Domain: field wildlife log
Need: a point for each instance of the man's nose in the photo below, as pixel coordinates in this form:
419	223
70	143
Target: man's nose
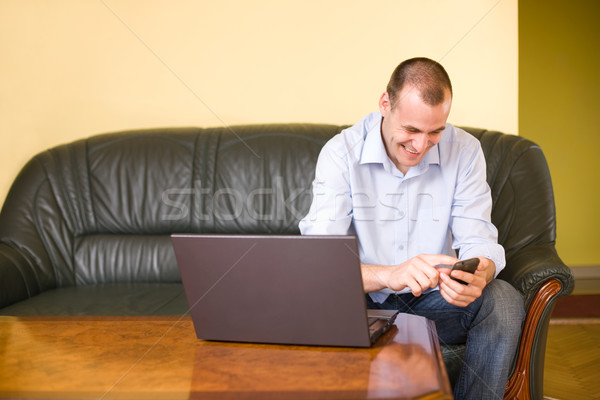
420	142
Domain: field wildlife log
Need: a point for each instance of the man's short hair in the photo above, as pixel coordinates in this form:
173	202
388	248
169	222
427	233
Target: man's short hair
426	75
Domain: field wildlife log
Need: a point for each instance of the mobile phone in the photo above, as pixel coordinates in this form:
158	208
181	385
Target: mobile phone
469	266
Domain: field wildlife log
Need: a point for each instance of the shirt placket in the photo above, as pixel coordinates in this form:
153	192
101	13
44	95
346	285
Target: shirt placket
401	225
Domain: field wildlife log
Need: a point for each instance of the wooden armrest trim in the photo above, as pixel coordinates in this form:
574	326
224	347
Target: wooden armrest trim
517	386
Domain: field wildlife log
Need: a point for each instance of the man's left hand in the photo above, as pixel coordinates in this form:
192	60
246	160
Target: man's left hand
463	295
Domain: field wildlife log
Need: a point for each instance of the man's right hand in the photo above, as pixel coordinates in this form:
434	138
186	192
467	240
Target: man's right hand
418	274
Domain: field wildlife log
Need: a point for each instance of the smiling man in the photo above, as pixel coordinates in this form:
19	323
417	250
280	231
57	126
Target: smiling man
413	189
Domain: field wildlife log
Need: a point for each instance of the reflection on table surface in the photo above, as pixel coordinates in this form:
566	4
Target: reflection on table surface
160	357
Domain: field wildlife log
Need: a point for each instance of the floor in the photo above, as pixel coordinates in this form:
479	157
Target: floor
572	367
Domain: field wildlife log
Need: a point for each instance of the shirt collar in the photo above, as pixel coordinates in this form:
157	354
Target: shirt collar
432	156
373	150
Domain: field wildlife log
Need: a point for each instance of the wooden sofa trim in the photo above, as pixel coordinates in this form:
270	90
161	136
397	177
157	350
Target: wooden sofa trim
518	383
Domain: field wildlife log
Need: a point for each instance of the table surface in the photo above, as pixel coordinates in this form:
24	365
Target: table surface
160	357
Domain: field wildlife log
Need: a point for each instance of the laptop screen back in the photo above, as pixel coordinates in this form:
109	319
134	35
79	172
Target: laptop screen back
304	290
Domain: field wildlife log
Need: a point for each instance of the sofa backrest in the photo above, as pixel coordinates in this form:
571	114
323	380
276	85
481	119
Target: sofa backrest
102	209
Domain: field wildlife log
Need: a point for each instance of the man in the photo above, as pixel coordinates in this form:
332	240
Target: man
413	189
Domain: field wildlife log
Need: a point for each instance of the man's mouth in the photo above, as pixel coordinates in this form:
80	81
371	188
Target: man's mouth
409	150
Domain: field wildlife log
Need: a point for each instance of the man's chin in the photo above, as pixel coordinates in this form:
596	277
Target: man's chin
411	161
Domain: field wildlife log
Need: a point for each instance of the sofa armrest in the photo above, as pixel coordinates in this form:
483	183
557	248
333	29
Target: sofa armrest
531	267
17	281
541	277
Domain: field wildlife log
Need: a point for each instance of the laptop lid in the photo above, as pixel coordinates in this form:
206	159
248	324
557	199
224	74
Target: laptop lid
304	290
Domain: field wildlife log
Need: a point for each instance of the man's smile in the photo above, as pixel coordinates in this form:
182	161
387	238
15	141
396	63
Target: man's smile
409	150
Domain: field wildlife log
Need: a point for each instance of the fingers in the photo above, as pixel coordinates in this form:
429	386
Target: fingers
484	264
427	275
452	293
459	294
428	270
438	259
418	273
421	280
466	277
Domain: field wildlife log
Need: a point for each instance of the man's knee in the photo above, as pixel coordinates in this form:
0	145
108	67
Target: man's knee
505	302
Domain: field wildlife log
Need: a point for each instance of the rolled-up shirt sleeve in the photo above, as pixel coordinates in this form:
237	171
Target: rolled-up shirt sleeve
473	233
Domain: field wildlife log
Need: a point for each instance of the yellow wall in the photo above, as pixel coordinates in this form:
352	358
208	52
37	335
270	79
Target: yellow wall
70	69
559	95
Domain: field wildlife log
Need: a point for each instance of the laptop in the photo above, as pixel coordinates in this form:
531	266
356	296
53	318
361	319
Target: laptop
290	289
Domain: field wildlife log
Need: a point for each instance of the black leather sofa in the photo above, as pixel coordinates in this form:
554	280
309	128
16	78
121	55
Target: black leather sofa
85	227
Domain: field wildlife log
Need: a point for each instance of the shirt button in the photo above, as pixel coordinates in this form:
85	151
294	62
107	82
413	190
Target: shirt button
401	214
401	247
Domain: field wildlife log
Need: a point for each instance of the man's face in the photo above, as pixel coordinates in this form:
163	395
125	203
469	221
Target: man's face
411	128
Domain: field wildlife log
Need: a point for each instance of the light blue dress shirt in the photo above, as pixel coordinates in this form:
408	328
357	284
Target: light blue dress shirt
441	205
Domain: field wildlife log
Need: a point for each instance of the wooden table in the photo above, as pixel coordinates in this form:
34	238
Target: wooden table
160	357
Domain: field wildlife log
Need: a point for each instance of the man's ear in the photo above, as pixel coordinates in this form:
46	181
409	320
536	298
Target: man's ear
384	103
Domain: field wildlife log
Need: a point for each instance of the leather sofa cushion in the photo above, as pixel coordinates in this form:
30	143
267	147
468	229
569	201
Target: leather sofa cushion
123	299
124	259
